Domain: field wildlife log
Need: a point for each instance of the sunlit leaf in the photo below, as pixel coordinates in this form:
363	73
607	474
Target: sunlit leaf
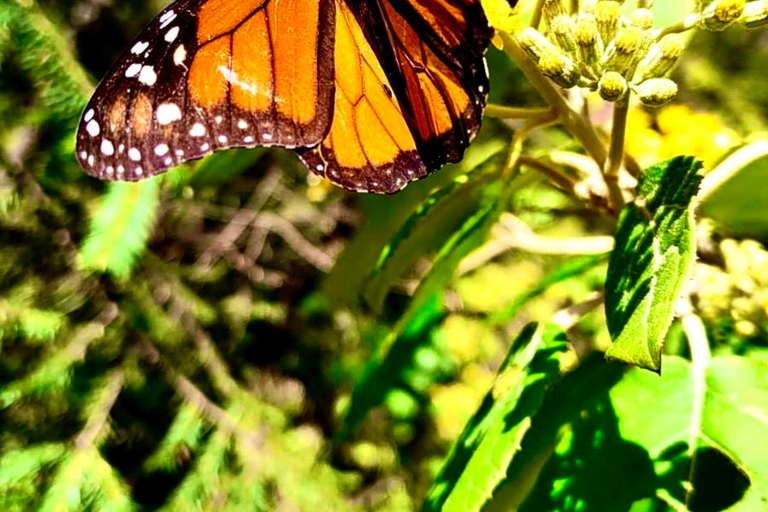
120	228
479	460
685	422
654	254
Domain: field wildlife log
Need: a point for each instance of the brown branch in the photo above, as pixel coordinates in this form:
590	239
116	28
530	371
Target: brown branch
98	420
192	394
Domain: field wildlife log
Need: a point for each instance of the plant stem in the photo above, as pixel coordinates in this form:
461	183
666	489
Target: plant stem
504	112
701	357
688	23
569	118
616	153
89	436
555	175
536	17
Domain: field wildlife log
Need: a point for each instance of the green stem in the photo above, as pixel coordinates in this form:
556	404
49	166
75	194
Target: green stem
568	117
504	112
616	153
555	175
536	17
687	24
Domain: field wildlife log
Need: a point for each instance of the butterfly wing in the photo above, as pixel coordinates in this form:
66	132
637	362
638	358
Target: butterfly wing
369	147
428	66
212	74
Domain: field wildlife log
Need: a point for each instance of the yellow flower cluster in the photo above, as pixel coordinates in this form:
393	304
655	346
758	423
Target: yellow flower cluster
678	130
739	291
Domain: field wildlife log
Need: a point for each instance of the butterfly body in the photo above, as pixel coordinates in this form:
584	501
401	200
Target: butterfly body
372	94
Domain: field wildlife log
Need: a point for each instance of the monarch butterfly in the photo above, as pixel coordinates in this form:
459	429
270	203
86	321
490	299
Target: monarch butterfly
372	94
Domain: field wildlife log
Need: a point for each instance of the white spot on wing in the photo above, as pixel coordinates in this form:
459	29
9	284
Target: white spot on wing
148	76
133	70
90	160
139	47
168	113
167	18
222	139
107	148
242	124
134	154
161	149
93	128
89	115
179	55
172	34
197	130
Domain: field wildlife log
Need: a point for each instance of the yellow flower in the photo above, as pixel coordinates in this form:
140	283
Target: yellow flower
681	131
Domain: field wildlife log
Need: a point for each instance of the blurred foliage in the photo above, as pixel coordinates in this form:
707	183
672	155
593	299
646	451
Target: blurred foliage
238	335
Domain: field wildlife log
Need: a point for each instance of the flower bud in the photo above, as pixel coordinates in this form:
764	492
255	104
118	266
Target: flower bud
655	92
535	44
551	10
641	18
562	31
590	46
755	14
622	53
721	13
607	14
612	86
560	69
661	57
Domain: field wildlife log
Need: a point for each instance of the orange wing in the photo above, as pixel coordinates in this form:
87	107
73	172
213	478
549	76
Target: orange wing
212	74
420	97
369	147
434	58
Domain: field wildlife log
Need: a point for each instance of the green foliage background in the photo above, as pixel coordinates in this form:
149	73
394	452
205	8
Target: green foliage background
236	335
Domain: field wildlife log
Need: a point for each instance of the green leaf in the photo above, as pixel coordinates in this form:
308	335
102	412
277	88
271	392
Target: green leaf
119	230
654	254
33	324
385	215
83	480
479	459
185	433
394	356
682	420
442	211
729	194
17	465
471	234
54	371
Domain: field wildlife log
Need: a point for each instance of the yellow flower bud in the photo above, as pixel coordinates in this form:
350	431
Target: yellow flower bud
755	14
590	46
641	18
656	91
607	14
535	44
612	86
562	31
560	69
551	10
622	53
661	57
721	13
